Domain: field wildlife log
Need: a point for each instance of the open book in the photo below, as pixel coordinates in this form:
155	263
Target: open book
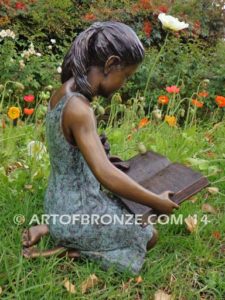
157	174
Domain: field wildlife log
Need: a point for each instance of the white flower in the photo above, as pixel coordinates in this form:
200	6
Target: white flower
10	33
50	47
3	33
31	51
36	149
25	54
172	23
59	70
22	64
53	41
7	33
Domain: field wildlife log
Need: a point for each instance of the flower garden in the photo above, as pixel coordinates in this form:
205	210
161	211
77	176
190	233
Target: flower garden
174	105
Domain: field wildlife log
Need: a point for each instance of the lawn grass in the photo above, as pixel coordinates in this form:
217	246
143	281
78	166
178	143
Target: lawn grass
186	265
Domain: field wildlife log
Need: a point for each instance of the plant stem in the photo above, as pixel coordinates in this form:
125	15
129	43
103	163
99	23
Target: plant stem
154	64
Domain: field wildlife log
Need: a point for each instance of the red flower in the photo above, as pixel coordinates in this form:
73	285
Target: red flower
197	24
163	99
147	28
28	111
20	5
89	17
28	98
220	100
203	94
173	89
216	235
163	9
145	4
197	103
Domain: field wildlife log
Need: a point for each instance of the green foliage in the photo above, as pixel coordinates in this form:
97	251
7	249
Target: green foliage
195	260
183	64
188	57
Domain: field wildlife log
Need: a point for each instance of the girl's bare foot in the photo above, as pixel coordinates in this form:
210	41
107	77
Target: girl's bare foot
33	252
151	243
32	235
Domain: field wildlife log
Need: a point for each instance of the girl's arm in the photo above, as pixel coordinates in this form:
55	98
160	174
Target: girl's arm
81	122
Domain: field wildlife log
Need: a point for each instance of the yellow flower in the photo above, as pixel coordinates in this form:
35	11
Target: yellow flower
13	112
171	120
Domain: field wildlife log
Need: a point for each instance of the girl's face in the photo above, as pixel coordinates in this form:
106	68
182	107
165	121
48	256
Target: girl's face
114	78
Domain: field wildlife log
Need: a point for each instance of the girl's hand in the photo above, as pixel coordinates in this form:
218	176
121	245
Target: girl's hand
165	204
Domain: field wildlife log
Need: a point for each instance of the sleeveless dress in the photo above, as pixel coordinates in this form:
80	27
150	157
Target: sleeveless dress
74	190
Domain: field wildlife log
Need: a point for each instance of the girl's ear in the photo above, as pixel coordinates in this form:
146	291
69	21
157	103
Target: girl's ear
112	62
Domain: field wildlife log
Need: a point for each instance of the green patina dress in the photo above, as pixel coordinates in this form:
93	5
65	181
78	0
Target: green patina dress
73	190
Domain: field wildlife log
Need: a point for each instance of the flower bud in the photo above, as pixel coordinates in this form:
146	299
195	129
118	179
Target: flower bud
44	95
19	86
141	148
117	98
182	112
101	110
157	114
206	81
142	99
49	88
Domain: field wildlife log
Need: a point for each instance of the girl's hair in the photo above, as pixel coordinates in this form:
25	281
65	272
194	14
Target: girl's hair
94	46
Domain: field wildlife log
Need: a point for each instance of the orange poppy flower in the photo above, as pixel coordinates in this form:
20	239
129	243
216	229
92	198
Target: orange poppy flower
203	94
143	122
197	103
220	100
171	120
28	111
163	99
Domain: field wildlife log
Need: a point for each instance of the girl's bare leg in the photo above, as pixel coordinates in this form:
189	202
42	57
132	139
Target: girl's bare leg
32	235
59	251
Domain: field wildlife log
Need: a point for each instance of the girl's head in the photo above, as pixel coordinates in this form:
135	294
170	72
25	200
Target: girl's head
108	50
